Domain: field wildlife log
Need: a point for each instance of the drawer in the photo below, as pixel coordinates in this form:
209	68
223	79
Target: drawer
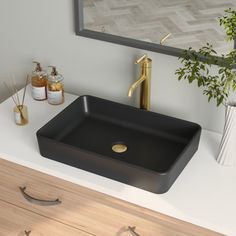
85	209
15	221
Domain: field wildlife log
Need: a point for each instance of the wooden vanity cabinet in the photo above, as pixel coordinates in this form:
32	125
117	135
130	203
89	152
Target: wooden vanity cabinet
16	221
86	211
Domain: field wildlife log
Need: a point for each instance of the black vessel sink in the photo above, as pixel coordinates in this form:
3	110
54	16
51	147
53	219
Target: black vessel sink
140	148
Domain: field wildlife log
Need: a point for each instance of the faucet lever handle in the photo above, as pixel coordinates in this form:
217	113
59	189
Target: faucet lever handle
165	38
143	58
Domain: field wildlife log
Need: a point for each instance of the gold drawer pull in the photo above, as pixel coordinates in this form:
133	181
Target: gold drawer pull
27	233
132	231
38	201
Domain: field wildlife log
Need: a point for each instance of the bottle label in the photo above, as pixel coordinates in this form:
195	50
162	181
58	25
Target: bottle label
39	93
55	97
17	117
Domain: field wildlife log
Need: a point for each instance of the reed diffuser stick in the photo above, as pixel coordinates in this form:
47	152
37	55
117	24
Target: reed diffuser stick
9	90
12	91
23	99
12	88
15	88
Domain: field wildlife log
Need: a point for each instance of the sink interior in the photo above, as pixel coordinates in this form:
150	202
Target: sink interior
118	135
150	150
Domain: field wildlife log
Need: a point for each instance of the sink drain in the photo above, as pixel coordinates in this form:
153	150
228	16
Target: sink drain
119	147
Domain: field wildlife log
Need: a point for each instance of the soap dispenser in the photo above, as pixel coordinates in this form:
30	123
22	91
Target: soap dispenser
39	83
55	89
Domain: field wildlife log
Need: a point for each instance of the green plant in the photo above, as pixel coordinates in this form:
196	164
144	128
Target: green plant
217	86
229	23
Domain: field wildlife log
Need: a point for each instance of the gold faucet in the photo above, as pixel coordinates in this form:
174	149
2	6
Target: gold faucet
145	81
165	38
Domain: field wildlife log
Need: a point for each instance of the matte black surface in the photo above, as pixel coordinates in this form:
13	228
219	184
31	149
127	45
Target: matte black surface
83	134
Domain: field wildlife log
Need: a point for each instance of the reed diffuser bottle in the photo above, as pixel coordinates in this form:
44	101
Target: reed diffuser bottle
20	110
55	90
39	83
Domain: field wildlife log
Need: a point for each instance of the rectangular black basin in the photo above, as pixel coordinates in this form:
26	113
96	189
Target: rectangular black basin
140	148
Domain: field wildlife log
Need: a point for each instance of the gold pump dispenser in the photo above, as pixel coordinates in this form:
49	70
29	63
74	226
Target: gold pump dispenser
39	83
55	89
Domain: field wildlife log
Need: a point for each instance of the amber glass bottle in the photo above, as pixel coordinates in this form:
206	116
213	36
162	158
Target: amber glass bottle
55	89
39	81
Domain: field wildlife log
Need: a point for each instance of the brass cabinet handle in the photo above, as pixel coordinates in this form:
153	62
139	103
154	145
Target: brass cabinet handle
38	201
132	231
27	233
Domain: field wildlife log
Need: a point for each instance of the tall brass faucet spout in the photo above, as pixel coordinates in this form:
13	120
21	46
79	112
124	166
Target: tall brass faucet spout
135	85
144	80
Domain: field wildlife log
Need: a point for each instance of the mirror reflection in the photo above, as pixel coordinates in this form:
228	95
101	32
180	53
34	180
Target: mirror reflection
191	23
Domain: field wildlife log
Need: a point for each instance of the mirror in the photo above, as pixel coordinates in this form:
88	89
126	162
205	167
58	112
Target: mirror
142	24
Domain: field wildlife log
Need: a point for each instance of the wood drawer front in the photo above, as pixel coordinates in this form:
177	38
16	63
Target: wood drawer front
15	221
85	209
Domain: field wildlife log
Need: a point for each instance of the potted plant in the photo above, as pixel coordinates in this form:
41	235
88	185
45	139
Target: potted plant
197	67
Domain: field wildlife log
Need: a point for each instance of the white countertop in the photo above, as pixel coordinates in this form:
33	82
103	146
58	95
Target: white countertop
203	194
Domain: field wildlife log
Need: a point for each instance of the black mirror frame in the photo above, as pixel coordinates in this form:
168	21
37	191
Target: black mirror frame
79	29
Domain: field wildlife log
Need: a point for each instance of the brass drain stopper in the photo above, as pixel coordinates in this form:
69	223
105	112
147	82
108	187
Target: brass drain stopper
119	148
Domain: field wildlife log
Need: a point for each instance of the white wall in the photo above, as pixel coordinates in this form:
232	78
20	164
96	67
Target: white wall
44	30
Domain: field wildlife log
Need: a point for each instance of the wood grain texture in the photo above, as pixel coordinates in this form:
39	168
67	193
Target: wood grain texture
14	221
85	209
